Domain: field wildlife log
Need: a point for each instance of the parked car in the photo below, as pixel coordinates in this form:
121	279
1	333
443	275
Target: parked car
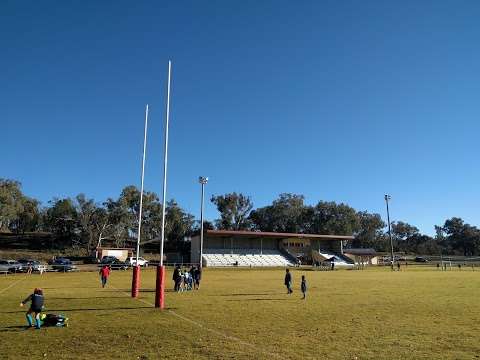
4	266
26	263
62	264
119	265
132	260
108	260
15	266
37	266
420	259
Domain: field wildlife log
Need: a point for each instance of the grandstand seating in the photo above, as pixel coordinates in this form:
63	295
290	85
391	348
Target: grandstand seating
245	257
339	260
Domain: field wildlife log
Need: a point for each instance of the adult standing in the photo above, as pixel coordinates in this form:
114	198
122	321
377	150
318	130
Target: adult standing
288	281
198	278
104	274
176	278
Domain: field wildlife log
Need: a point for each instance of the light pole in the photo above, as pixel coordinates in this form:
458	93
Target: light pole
388	197
203	181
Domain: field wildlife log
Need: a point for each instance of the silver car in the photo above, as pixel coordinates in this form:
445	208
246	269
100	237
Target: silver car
4	266
15	266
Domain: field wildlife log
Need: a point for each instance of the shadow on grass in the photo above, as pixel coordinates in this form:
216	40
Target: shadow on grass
248	294
257	299
15	328
129	290
83	309
86	298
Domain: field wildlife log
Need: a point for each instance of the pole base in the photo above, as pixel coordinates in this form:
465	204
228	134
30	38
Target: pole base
136	281
160	288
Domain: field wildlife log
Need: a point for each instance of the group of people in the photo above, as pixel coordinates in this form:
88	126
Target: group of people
185	280
288	283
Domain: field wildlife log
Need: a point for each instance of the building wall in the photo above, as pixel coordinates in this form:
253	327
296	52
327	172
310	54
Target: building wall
120	254
363	259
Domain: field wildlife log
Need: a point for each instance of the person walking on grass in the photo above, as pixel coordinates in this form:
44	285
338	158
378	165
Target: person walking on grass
104	274
35	307
288	281
303	287
198	278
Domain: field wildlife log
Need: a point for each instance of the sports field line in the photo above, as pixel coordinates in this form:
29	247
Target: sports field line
213	331
11	285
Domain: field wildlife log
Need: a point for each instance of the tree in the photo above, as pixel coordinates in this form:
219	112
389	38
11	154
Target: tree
29	219
461	237
123	215
334	219
401	231
286	214
11	203
234	211
92	221
370	233
178	226
61	219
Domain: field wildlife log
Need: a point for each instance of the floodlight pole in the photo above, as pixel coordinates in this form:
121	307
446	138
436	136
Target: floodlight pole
160	283
388	197
136	268
203	181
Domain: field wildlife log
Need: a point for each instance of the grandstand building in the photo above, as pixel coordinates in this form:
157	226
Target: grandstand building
251	248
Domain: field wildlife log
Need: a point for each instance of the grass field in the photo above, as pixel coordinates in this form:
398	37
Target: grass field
246	314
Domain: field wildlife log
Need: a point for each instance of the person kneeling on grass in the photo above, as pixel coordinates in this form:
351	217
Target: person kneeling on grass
35	308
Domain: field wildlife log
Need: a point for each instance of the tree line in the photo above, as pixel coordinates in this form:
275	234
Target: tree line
83	223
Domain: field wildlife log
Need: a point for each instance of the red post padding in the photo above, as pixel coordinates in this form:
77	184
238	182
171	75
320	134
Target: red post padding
160	288
135	281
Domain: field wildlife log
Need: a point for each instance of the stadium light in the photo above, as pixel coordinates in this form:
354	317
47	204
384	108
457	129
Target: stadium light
388	197
160	281
136	268
203	181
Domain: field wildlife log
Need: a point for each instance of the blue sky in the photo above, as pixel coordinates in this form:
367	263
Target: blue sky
337	100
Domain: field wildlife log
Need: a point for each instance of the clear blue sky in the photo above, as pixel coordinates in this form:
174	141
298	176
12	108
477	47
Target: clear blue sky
337	100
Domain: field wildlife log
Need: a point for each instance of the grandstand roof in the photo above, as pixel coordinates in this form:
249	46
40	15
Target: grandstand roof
367	251
250	234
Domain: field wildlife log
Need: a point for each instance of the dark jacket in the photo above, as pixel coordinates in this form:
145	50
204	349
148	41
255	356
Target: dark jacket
37	302
288	278
175	274
198	274
303	286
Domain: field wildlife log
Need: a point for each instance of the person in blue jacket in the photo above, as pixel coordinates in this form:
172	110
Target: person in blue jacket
36	307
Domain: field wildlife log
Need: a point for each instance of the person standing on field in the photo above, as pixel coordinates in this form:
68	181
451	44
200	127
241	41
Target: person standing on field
176	278
288	281
104	274
198	278
303	287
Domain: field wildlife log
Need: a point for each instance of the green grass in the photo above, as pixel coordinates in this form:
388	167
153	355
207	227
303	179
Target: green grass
246	314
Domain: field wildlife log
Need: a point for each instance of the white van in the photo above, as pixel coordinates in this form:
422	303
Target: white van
132	260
